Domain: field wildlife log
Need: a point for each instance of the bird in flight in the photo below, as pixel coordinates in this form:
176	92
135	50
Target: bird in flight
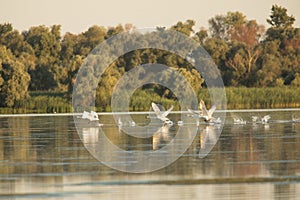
207	114
162	115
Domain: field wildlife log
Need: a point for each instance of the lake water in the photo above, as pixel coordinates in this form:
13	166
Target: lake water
43	157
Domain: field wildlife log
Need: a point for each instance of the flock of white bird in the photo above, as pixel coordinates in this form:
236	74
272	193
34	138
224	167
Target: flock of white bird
203	113
255	119
91	116
162	135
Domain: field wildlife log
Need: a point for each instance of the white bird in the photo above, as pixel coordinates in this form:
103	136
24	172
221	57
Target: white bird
216	120
168	121
132	123
254	118
92	116
265	119
207	114
294	119
237	120
120	123
162	115
194	113
180	123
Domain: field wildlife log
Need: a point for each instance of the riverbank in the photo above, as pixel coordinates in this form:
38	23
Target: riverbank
237	98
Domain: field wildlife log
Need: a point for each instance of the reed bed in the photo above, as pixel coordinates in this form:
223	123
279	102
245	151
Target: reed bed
236	98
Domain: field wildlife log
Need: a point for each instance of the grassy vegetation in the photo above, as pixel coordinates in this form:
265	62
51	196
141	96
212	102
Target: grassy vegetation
254	98
141	100
42	102
237	98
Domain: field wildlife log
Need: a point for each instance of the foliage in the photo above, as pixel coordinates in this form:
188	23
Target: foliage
14	79
270	97
47	103
247	55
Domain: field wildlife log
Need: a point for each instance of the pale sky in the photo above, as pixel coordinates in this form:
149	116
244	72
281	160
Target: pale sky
77	16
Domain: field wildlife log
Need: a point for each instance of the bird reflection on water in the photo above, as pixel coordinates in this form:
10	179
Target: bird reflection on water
207	136
90	137
45	152
161	137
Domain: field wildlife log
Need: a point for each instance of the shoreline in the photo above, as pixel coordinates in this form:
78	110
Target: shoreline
147	112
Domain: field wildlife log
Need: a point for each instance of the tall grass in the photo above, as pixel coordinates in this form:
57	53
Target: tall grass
254	98
237	98
49	104
42	102
141	100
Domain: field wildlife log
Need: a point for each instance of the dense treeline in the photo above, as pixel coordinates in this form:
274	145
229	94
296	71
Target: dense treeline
41	60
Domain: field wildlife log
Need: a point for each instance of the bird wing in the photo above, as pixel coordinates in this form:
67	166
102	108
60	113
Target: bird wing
202	107
236	119
212	109
85	115
254	118
156	109
294	118
165	114
194	111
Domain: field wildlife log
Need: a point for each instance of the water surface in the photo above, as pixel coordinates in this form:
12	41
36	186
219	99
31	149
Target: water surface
43	157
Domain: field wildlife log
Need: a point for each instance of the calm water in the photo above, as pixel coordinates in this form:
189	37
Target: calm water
45	158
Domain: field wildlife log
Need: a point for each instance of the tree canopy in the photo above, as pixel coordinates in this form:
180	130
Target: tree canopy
247	54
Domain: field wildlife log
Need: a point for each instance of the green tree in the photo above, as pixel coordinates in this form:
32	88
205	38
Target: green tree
93	37
245	51
184	27
217	48
14	41
5	28
46	45
285	41
72	68
279	17
201	35
296	81
270	71
105	87
14	80
71	58
281	24
220	25
114	30
217	27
